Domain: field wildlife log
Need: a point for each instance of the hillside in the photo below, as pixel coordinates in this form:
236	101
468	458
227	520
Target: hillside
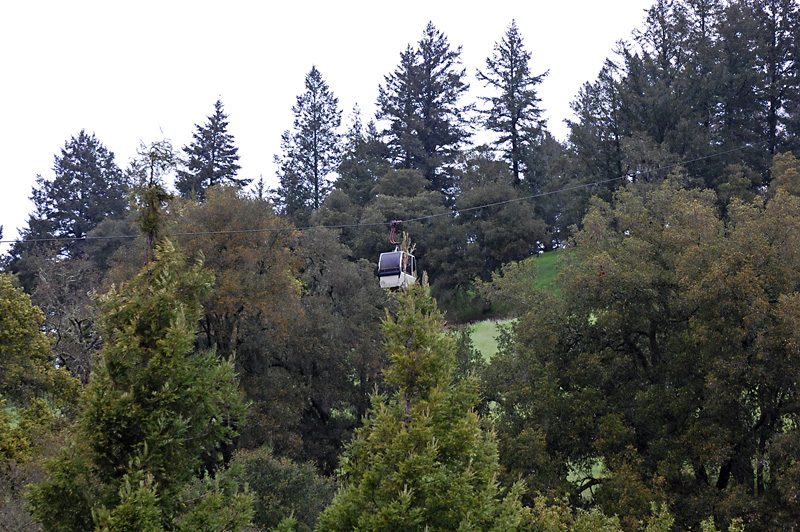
484	333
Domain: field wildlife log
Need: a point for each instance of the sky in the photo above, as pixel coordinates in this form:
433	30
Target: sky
133	72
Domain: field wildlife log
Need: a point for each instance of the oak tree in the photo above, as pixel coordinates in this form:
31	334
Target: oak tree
666	368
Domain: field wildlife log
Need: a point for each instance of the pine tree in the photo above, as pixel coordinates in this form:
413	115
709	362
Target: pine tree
421	460
777	61
312	150
397	103
514	112
596	134
155	413
88	187
212	158
421	102
363	160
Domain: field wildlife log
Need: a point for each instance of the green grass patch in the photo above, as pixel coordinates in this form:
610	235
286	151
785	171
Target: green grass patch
484	333
548	267
484	337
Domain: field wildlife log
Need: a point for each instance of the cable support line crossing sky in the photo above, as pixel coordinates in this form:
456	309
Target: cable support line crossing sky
452	212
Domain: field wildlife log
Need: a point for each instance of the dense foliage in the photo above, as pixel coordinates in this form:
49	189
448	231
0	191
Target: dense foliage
28	369
155	415
665	370
421	460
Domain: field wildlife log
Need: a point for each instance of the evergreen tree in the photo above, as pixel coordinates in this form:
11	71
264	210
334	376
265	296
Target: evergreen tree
421	460
421	102
397	103
88	191
597	133
709	81
364	160
27	366
88	187
739	113
311	151
653	64
144	456
514	112
212	158
777	61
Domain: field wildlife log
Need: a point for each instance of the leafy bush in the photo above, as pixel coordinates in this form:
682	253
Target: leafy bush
283	489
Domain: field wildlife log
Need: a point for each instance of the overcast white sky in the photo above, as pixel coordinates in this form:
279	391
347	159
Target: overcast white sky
141	71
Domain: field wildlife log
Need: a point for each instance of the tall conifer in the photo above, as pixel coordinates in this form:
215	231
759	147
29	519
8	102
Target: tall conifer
155	412
421	460
514	111
421	100
212	157
88	187
312	150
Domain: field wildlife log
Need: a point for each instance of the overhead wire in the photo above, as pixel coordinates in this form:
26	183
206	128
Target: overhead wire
451	212
586	185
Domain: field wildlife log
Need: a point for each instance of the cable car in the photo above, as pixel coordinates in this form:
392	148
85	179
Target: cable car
396	269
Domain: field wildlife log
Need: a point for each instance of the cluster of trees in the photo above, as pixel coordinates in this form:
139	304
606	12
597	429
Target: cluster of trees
655	389
710	84
664	371
701	78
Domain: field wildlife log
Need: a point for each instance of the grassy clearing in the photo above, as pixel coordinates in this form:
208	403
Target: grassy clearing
484	333
548	266
484	336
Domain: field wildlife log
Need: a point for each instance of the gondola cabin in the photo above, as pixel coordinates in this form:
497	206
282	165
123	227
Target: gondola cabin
397	269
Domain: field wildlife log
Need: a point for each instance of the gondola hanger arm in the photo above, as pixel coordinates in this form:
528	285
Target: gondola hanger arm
393	224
